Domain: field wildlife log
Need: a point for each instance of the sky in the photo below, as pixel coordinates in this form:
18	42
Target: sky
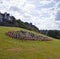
45	14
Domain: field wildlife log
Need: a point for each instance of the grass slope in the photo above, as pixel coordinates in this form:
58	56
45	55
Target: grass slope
17	49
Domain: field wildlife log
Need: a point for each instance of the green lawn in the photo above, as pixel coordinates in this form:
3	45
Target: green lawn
19	49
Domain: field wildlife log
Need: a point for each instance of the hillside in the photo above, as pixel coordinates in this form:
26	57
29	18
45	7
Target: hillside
11	48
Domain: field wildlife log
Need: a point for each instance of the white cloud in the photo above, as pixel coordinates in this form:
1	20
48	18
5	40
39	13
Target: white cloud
43	2
28	7
31	11
57	6
57	18
47	23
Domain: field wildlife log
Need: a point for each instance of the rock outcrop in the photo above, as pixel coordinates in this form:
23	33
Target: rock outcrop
22	35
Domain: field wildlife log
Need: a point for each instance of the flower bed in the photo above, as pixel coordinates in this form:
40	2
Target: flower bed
26	36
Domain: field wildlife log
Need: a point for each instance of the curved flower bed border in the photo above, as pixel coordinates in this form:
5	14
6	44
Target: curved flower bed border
26	36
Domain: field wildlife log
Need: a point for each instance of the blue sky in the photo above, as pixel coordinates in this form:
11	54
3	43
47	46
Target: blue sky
45	14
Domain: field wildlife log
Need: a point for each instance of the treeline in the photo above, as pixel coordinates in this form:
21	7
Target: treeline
51	33
13	22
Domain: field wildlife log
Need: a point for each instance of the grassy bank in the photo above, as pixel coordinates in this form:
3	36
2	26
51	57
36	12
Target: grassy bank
11	48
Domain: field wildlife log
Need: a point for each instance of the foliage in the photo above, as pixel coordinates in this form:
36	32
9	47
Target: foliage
51	33
13	22
54	33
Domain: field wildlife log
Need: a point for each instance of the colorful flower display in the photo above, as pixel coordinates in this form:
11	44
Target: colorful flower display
22	35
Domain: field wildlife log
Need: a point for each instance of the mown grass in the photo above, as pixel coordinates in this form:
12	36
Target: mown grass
11	48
